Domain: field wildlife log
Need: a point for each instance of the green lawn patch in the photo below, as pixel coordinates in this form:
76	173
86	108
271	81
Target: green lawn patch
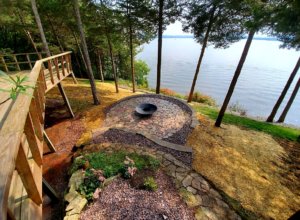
274	130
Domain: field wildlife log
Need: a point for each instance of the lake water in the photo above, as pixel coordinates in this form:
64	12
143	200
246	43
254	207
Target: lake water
263	77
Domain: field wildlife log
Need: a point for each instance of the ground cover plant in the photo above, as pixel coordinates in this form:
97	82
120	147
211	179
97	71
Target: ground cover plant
100	166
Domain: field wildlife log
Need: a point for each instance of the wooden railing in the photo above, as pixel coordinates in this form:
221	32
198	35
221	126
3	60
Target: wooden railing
21	140
19	61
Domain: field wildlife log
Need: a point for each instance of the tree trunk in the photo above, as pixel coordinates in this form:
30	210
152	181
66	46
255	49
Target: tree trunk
284	91
290	102
86	53
78	64
80	51
159	46
27	33
235	78
110	49
131	57
100	67
202	54
40	27
55	34
113	66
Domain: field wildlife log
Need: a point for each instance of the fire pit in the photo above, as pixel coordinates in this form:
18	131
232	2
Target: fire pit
145	109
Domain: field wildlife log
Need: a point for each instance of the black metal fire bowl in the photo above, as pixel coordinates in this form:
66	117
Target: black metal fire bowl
145	109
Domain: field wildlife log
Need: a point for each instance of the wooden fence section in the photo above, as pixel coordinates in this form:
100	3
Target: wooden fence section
21	140
19	61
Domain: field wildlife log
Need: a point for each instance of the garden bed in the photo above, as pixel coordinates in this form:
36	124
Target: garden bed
120	200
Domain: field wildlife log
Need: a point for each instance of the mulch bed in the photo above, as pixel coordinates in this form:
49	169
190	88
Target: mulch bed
120	201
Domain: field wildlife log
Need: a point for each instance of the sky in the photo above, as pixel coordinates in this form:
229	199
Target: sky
176	29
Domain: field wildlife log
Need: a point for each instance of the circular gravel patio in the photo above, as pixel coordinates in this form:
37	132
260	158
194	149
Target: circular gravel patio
170	122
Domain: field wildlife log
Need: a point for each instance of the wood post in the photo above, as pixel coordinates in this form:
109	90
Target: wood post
62	92
49	191
29	61
57	68
63	65
49	142
33	141
50	71
4	64
29	177
70	69
16	61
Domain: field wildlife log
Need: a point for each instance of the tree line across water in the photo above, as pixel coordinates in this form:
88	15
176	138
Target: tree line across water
105	35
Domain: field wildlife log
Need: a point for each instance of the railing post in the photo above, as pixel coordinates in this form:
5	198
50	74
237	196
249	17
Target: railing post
43	80
50	71
29	61
57	68
63	65
4	64
29	178
16	61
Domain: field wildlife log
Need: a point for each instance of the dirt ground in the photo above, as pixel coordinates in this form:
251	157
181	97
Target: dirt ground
248	166
66	132
251	167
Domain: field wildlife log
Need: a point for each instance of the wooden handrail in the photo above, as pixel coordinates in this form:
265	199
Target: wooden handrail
21	134
14	61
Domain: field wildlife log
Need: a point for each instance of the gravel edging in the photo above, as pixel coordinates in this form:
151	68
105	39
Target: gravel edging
116	135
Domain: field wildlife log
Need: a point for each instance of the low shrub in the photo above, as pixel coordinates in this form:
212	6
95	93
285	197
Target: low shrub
238	108
90	184
150	184
77	164
167	91
128	169
201	98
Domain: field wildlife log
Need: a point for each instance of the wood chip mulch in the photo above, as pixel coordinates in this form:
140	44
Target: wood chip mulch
120	200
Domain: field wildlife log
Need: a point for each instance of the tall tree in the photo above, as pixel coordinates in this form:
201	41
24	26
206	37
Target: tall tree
256	13
286	28
85	52
167	11
105	12
140	29
40	27
290	102
283	92
214	21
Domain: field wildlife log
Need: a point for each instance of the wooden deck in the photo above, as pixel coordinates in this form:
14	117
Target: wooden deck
22	136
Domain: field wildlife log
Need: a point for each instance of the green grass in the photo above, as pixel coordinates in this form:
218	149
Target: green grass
113	163
274	130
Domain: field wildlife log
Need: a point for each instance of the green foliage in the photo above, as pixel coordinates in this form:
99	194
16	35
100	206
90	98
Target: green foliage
77	164
17	84
141	72
224	16
285	23
150	184
89	185
113	163
274	130
200	98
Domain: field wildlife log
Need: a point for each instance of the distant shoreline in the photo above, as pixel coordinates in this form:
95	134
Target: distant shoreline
190	36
